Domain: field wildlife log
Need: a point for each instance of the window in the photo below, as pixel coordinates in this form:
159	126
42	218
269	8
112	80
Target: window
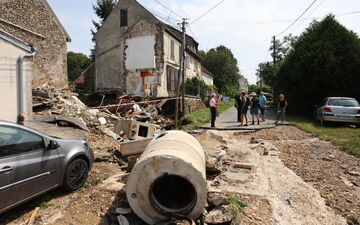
123	18
172	50
14	141
187	61
344	102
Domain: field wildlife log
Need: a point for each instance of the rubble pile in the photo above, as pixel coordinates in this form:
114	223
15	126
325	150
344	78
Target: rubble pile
102	119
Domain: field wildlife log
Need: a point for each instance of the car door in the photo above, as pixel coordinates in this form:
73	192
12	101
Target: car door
27	168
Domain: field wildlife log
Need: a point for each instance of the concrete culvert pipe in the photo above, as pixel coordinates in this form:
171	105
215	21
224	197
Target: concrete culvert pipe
169	179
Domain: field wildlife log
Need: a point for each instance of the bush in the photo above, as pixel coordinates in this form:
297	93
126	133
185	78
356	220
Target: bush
325	61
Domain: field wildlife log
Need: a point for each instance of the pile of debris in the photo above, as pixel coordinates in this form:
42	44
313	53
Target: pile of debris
51	101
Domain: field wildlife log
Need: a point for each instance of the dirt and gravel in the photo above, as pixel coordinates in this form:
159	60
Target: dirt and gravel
283	176
332	172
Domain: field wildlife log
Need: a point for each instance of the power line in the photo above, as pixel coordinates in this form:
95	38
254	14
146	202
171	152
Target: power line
197	19
253	46
269	22
194	35
297	18
308	15
168	8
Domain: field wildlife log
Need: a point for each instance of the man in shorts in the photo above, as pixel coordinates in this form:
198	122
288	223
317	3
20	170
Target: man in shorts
262	103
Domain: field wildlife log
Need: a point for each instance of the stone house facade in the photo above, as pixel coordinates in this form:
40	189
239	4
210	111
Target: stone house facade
138	54
35	23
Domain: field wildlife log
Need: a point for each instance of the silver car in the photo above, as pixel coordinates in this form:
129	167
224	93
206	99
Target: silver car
338	109
32	163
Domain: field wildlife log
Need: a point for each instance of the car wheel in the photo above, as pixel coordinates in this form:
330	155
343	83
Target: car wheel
76	175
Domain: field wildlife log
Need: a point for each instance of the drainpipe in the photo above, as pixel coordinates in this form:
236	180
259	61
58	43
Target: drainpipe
20	81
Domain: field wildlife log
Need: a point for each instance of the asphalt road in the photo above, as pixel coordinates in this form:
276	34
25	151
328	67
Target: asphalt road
228	121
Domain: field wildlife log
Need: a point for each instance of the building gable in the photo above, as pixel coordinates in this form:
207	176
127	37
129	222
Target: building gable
56	19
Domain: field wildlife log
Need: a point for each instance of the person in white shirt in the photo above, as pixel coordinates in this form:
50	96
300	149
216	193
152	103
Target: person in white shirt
213	109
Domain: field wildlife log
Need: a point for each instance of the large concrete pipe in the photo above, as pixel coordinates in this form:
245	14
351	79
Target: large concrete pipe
169	178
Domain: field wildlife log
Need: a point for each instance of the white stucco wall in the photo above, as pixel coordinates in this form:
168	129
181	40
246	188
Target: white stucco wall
9	54
209	80
140	53
193	67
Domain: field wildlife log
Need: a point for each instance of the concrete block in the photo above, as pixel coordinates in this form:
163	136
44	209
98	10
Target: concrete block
134	129
134	147
243	166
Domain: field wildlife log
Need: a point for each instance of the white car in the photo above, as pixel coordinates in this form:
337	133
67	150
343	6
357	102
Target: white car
338	109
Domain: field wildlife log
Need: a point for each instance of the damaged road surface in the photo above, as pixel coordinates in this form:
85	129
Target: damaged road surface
276	176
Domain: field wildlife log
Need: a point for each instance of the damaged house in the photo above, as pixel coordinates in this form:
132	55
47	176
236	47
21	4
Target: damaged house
137	54
33	46
35	23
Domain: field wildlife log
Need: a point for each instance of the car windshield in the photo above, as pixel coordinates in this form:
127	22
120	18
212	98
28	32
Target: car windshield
344	102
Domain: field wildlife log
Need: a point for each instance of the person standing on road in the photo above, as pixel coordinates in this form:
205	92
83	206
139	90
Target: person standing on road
254	108
217	105
238	106
245	103
282	104
262	100
213	109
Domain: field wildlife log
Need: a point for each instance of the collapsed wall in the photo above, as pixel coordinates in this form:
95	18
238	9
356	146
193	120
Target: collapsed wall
169	179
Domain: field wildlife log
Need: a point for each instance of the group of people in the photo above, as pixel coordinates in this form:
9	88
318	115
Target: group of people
243	103
256	104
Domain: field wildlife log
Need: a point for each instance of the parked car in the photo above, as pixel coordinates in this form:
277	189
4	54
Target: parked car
32	163
338	109
268	96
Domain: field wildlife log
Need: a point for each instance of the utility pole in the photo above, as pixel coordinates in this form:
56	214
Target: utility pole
181	75
274	52
182	60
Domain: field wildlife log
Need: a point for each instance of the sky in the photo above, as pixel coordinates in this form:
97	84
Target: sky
244	26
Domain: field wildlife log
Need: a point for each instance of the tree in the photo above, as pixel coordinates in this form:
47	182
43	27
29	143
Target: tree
282	47
77	63
266	70
266	73
195	87
221	62
102	9
254	88
324	61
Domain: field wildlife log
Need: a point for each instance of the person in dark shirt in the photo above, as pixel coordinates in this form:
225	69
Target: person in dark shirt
282	104
245	106
254	108
239	106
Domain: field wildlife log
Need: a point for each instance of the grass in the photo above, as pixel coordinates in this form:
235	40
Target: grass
344	137
202	116
237	208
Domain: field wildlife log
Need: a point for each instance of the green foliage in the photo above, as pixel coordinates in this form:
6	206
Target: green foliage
237	208
221	62
266	73
345	138
282	48
254	88
266	70
196	87
102	10
324	61
77	63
